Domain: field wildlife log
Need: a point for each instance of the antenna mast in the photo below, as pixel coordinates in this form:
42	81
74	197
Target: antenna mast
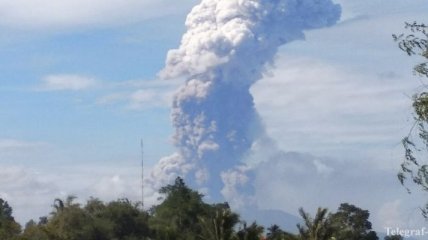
142	174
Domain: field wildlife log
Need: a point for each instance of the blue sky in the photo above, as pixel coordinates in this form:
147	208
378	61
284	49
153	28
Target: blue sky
79	89
107	58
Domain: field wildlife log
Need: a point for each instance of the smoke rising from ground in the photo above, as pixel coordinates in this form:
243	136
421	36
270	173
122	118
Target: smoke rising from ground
227	48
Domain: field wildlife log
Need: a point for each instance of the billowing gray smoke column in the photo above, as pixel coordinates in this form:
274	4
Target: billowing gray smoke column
227	47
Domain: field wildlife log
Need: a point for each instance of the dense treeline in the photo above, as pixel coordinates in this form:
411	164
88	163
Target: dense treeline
183	215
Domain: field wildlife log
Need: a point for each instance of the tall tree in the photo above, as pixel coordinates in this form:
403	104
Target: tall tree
9	229
219	224
177	217
68	221
415	43
317	228
351	223
34	231
252	232
125	218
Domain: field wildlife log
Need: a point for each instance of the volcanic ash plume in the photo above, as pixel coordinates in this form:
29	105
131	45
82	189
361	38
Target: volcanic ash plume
227	47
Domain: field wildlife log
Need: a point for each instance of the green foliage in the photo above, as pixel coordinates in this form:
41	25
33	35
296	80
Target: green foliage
126	219
415	43
34	231
348	223
351	223
69	221
252	232
178	216
394	237
219	223
276	233
317	228
117	220
9	229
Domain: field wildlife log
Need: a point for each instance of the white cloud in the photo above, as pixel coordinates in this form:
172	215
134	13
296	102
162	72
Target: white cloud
16	183
390	214
131	94
115	187
60	14
106	182
111	98
398	213
63	82
318	107
7	144
144	98
140	94
234	180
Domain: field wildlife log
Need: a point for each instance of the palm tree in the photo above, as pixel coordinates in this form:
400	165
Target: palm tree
58	206
318	228
220	227
276	233
253	232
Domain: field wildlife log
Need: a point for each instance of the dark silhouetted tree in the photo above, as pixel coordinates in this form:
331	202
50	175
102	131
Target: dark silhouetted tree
9	229
393	237
252	232
178	216
352	223
274	232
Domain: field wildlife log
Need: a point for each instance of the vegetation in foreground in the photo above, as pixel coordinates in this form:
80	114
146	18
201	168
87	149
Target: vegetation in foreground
182	215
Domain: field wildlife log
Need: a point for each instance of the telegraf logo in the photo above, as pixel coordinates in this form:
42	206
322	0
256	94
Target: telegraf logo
406	233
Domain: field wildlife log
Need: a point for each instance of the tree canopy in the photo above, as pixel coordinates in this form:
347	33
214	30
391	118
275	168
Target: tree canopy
182	214
9	229
352	223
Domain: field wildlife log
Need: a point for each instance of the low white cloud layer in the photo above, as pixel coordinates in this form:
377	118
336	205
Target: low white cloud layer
391	215
7	144
139	94
107	183
66	82
17	183
149	98
131	94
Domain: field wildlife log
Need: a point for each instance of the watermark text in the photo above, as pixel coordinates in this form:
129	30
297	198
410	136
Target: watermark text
406	233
